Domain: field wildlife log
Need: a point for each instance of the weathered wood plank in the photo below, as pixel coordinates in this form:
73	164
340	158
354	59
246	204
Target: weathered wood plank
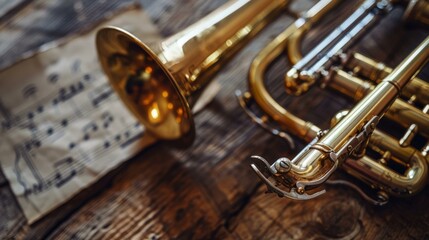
38	22
208	190
340	213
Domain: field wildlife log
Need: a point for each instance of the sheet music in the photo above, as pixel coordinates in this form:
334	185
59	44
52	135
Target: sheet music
62	126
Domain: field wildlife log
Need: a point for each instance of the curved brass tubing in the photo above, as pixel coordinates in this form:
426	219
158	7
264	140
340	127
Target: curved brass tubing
159	84
375	172
301	176
380	177
355	88
292	34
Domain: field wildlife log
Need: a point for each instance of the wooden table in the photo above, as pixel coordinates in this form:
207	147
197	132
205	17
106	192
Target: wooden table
208	190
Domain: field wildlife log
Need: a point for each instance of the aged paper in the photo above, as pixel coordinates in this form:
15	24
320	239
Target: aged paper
62	126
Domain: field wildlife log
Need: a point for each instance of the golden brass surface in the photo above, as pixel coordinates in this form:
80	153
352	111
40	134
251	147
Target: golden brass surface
296	126
158	84
376	71
400	111
352	131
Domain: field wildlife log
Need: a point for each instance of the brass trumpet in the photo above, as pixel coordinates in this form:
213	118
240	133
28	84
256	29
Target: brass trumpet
352	132
159	84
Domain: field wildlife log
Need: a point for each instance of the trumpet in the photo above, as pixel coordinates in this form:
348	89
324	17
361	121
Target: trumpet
160	84
353	133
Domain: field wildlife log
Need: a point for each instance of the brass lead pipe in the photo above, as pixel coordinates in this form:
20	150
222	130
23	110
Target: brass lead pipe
400	111
196	52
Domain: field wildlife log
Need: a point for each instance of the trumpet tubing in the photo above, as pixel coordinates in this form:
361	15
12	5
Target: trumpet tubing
291	36
354	131
159	84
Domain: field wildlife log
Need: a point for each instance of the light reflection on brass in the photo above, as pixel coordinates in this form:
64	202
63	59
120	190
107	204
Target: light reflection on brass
344	144
157	84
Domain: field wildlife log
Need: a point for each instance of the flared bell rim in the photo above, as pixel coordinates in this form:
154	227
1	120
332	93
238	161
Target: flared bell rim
113	40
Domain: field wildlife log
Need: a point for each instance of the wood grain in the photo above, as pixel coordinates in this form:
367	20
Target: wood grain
208	191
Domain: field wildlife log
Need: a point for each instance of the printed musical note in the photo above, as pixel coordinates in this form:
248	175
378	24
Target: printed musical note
32	143
29	90
53	78
50	131
132	140
88	129
103	94
67	93
107	119
65	171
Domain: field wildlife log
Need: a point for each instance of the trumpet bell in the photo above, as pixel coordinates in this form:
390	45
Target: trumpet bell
145	85
160	84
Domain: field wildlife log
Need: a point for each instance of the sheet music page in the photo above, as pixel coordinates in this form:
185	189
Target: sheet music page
62	126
